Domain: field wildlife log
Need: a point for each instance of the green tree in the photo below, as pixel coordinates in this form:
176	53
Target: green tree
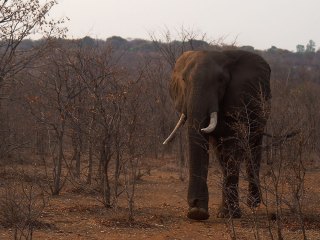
311	46
274	49
88	41
300	48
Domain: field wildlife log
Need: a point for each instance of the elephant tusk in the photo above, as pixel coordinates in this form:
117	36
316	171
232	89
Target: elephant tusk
181	121
212	124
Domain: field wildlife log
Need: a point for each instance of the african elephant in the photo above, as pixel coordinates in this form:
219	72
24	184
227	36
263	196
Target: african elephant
216	91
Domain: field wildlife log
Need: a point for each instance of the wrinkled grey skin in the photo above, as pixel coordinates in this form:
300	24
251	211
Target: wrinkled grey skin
231	83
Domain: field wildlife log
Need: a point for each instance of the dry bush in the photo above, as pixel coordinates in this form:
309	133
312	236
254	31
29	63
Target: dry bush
21	206
294	110
289	154
290	142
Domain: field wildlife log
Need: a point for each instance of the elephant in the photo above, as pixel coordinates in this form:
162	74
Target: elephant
224	97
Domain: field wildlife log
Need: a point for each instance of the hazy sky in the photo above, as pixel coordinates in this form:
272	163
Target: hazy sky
260	23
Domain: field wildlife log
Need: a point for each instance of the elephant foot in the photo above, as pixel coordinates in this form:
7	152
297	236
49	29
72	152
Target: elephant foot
196	213
225	212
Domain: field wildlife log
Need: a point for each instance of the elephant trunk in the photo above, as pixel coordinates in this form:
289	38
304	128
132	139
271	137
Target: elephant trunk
202	120
199	115
198	196
203	110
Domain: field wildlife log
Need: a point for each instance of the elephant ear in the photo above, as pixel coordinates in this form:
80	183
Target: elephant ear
177	89
249	75
178	84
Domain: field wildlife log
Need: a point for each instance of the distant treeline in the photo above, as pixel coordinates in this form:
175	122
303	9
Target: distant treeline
294	66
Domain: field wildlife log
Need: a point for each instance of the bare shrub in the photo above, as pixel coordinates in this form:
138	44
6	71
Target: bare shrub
289	142
21	205
19	19
289	158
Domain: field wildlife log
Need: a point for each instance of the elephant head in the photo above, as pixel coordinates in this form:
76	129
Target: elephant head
198	85
207	87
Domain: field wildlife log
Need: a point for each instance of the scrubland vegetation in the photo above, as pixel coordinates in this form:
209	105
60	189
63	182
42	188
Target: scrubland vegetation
82	124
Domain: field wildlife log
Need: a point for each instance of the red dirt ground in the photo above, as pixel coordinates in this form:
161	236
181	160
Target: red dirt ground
160	213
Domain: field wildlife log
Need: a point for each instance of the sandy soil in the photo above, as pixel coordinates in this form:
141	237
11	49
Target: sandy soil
160	213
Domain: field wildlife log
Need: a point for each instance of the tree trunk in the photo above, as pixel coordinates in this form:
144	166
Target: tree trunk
58	169
90	162
78	163
104	162
117	172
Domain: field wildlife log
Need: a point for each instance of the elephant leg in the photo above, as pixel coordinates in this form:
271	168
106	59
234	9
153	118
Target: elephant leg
198	196
230	164
253	169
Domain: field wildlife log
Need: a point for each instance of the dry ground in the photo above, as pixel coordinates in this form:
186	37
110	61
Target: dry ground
160	213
